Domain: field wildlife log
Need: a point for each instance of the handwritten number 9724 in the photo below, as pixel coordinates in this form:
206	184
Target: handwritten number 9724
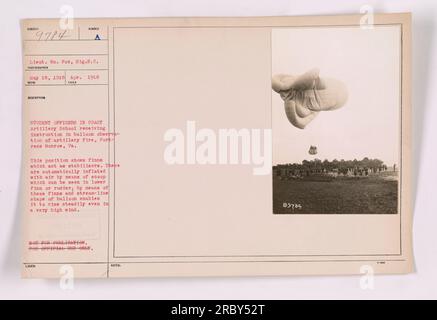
50	35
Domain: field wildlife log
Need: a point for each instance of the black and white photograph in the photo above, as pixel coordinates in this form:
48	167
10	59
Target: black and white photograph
336	107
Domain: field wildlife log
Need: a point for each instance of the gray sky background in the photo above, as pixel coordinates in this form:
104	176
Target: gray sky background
368	62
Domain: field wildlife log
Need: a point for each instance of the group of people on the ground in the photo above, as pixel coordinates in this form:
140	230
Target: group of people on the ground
334	168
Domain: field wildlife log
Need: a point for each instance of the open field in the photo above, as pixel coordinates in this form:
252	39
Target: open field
363	195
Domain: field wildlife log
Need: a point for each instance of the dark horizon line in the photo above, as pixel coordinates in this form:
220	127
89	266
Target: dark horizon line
331	161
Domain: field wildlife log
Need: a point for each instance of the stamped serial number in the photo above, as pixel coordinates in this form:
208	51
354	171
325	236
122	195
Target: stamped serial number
292	206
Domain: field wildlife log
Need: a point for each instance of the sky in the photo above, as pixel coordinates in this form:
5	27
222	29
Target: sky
368	62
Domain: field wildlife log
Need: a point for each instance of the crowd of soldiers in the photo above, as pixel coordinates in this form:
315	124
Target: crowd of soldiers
353	168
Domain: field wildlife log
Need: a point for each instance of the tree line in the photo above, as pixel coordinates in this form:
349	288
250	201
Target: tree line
341	166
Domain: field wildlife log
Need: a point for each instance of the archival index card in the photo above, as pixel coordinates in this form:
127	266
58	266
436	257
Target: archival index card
216	146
